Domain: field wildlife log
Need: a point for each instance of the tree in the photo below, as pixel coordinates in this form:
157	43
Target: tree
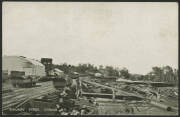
176	74
158	72
163	74
125	73
169	75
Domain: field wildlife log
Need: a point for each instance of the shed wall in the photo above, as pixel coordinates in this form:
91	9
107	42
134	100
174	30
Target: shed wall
15	63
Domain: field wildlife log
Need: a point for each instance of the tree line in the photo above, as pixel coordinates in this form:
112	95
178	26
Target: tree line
157	74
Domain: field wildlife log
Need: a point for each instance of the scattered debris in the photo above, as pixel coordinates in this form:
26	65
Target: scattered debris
87	95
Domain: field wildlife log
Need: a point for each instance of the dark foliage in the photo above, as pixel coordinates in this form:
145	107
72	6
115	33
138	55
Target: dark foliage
158	74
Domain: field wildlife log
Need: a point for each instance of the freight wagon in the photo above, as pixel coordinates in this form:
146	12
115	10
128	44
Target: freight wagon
19	79
4	75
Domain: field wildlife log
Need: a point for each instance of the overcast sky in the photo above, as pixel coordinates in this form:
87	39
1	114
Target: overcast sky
137	36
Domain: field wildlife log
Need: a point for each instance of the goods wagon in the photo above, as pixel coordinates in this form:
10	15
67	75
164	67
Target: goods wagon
4	75
59	83
18	78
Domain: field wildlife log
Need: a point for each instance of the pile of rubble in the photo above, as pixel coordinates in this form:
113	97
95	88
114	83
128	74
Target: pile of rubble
87	97
82	106
169	92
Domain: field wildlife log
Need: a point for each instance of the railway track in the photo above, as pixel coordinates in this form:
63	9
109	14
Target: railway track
19	96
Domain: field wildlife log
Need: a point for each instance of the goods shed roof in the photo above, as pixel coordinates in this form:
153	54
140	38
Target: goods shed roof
22	58
34	62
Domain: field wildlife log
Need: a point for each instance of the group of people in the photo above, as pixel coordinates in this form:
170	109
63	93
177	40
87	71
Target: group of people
66	104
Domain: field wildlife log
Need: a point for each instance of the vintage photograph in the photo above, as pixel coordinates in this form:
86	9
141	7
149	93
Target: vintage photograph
90	58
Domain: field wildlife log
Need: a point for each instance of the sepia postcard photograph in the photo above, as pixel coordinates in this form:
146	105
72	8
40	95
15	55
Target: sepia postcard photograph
90	58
